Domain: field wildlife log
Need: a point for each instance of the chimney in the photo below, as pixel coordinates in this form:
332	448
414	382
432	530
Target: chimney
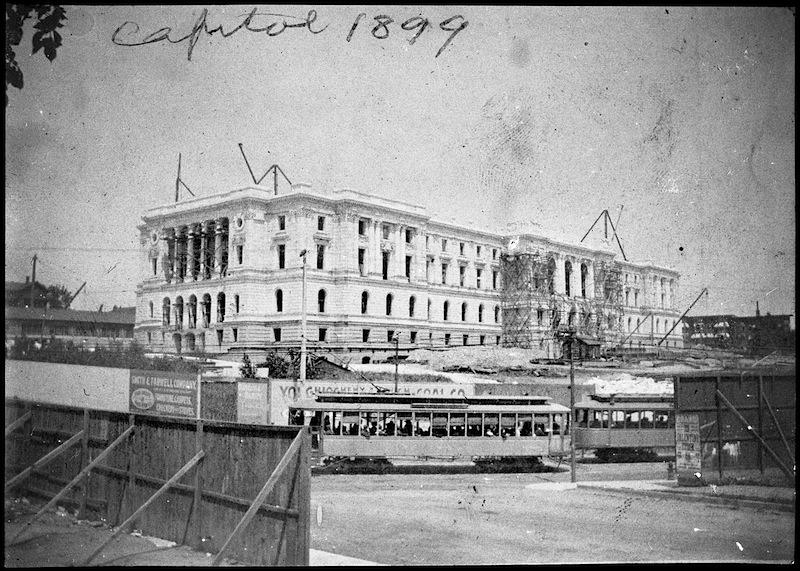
758	313
27	279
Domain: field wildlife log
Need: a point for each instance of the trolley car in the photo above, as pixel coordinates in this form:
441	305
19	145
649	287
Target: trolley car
480	428
626	426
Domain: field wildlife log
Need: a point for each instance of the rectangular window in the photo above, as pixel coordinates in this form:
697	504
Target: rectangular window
239	254
427	242
478	273
385	271
465	340
323	333
235	332
365	335
444	273
447	339
149	337
636	299
428	270
362	256
362	227
220	335
497	340
276	334
281	256
462	274
494	253
320	223
409	235
461	248
154	263
281	222
236	302
320	256
494	279
408	267
413	336
390	335
477	251
444	244
385	231
482	339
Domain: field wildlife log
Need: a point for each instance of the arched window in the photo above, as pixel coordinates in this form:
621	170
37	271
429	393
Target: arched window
480	313
497	314
412	301
193	312
151	309
629	325
221	307
206	310
658	323
166	307
568	278
464	311
179	312
445	310
279	300
551	273
321	295
364	301
389	299
610	321
429	308
584	273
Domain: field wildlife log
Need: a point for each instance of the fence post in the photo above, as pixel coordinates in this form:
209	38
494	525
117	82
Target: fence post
719	426
84	463
760	423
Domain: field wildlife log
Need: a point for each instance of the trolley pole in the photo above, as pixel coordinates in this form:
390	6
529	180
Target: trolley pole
303	323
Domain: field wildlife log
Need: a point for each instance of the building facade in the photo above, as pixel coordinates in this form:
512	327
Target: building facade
224	274
86	329
754	335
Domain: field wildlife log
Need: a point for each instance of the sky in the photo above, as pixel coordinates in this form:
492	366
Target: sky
680	121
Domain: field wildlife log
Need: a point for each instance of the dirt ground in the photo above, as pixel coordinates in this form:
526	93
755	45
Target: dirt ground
460	519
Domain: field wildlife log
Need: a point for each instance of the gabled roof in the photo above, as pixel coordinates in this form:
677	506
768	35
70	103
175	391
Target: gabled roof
121	316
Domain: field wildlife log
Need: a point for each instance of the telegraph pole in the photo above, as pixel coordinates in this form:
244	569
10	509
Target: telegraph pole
571	404
396	358
303	323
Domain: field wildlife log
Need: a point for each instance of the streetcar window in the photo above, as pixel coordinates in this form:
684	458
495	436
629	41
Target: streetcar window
617	419
490	422
350	422
670	419
440	424
295	417
558	422
525	424
404	426
599	419
388	424
541	424
647	419
582	417
457	423
369	423
632	418
422	424
508	424
474	424
662	418
337	422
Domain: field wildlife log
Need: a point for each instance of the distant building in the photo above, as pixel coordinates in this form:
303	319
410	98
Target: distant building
223	274
19	294
758	334
87	329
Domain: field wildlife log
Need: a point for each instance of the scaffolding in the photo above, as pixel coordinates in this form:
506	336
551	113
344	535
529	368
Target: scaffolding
527	288
533	311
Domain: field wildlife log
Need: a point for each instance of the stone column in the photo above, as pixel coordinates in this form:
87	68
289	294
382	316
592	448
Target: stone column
190	252
575	285
374	267
218	246
164	251
203	238
559	277
400	254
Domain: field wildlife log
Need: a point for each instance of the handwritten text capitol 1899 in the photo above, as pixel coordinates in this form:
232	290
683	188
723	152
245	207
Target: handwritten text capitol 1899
271	24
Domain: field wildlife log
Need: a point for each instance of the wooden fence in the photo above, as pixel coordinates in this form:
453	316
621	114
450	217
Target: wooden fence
222	467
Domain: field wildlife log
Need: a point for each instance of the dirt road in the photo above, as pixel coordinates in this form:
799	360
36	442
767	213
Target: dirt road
486	519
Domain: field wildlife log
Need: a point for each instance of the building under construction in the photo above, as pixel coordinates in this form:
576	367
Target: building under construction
546	288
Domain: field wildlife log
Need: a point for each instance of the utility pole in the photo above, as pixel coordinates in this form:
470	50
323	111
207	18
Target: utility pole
396	358
571	405
303	323
33	280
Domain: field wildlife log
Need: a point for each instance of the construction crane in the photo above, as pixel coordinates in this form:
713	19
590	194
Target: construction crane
69	302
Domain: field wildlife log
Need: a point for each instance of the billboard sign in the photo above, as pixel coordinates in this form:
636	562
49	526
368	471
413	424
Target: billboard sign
162	393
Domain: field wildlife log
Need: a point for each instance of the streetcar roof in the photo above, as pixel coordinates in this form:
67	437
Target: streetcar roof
462	407
434	400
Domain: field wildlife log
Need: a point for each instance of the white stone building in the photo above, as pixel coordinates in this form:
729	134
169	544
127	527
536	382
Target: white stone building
223	274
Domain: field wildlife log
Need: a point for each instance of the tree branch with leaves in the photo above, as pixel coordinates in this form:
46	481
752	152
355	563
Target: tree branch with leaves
49	17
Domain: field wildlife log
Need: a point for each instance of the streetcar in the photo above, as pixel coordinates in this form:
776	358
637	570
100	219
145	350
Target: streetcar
626	426
389	425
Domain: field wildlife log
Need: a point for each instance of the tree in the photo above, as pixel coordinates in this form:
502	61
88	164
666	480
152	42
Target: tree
246	369
49	18
58	296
